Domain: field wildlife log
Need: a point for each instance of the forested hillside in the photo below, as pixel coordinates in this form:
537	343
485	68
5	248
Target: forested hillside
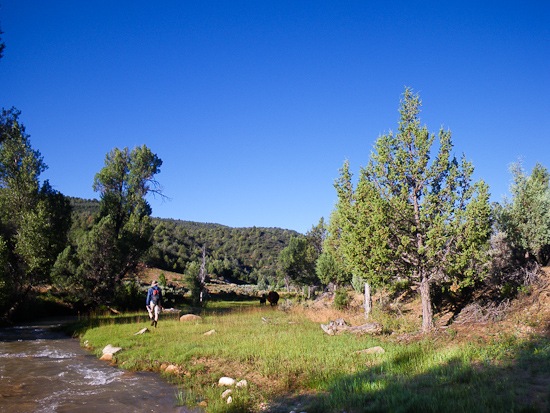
240	254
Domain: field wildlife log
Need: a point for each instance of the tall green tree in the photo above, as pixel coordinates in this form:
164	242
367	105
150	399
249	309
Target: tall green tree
413	215
121	234
526	218
34	219
316	236
297	262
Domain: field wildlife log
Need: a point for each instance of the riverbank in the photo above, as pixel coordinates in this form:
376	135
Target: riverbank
289	363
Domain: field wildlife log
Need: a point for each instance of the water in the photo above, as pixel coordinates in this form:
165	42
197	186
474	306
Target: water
43	371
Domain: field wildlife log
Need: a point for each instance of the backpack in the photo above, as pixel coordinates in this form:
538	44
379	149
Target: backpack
155	297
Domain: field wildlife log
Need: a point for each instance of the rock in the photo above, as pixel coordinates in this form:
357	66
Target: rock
368	328
142	331
372	350
172	369
335	326
209	333
226	381
171	310
190	317
242	383
339	325
229	400
106	357
203	403
226	393
109	349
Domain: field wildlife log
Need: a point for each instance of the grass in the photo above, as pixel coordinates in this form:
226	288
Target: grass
291	364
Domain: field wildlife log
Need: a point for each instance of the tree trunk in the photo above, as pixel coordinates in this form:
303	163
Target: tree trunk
368	301
427	311
202	275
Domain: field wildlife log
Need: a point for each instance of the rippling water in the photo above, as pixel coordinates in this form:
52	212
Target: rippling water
46	372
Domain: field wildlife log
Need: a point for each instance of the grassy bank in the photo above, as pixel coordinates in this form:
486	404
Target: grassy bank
291	364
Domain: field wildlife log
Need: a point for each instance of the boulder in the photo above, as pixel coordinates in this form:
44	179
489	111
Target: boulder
190	317
242	383
226	393
106	357
226	381
172	369
209	333
109	349
334	326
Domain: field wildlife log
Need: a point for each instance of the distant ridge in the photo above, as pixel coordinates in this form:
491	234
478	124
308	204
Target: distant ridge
247	254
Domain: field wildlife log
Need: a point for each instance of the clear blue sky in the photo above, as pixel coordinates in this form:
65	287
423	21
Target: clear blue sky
253	106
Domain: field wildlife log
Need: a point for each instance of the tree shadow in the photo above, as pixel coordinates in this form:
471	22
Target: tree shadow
518	382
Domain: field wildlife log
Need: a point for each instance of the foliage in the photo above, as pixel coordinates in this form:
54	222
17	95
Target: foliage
526	218
329	270
412	215
91	271
341	299
34	219
297	262
247	255
240	254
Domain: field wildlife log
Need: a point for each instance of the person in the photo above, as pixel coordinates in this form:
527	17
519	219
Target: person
154	302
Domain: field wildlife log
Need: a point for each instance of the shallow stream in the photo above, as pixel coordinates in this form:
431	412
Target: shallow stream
44	371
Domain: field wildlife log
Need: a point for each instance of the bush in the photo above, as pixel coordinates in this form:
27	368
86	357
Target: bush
341	299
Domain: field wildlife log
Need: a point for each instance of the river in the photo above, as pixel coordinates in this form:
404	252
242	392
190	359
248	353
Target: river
44	371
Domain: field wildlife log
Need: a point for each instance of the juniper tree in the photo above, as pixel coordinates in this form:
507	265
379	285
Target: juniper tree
413	216
526	218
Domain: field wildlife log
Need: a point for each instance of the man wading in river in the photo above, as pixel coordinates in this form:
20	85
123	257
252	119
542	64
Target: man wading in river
154	302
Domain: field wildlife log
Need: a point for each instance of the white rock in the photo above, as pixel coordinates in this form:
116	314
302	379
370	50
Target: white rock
209	333
109	349
242	383
229	400
226	393
226	381
190	317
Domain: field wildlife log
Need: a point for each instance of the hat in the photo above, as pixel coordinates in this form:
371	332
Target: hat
154	282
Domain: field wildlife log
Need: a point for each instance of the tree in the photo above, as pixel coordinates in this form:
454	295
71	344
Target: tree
413	217
121	233
316	236
34	219
329	270
297	262
526	218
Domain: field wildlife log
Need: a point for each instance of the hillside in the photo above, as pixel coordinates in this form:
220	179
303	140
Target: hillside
247	255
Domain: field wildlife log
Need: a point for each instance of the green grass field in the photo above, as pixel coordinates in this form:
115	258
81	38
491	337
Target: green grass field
289	364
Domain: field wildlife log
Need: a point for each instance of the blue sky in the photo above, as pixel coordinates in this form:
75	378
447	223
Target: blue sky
253	106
